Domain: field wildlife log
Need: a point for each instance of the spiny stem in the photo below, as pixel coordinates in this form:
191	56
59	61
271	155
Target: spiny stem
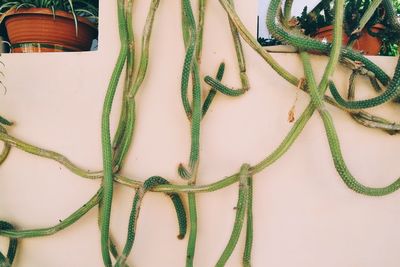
125	143
137	200
249	226
200	29
6	147
191	247
366	119
240	213
287	10
241	62
194	113
62	225
130	66
4	121
8	260
334	143
213	91
12	141
107	182
144	56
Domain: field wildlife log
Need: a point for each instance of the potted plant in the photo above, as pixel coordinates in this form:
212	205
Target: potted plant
376	37
49	25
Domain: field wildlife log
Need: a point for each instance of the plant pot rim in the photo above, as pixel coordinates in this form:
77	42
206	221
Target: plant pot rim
46	12
330	27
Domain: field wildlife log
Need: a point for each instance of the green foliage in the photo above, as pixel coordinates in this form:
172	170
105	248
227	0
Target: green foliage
391	47
396	4
268	41
322	15
317	18
84	8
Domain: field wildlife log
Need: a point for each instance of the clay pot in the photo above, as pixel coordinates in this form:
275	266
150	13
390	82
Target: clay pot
50	31
366	44
38	48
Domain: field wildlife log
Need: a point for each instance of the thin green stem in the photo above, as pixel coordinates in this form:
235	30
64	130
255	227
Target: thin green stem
334	143
299	125
200	29
62	225
194	113
113	248
336	46
107	182
191	247
366	17
247	36
122	150
239	52
391	14
4	121
8	260
6	147
130	65
287	10
366	119
12	141
195	122
249	226
144	56
391	92
190	41
211	94
240	213
241	62
137	200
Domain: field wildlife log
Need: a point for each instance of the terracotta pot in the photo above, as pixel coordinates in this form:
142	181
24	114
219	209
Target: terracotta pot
326	33
366	44
39	25
38	48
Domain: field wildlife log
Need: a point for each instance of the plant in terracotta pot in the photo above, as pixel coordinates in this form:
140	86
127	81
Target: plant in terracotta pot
49	25
371	35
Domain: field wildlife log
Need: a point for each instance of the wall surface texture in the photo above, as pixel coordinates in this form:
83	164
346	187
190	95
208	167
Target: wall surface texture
304	215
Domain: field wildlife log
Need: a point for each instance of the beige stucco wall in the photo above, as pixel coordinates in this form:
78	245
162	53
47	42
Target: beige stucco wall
304	215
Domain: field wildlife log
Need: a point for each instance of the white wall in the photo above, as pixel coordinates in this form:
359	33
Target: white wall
304	214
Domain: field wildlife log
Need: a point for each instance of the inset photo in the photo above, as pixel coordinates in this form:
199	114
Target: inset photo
29	26
368	27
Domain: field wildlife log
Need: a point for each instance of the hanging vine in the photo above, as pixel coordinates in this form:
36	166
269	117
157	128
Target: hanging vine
115	149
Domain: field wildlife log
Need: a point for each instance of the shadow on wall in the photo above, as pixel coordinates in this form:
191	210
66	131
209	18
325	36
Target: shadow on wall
51	26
